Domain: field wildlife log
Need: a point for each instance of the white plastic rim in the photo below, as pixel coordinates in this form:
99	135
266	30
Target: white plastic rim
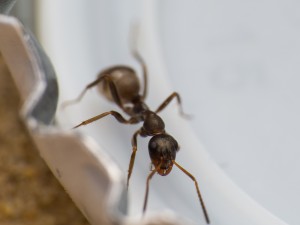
77	56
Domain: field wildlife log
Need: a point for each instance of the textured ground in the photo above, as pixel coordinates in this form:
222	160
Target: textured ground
29	193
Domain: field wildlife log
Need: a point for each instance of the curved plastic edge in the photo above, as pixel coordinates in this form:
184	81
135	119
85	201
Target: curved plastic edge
226	202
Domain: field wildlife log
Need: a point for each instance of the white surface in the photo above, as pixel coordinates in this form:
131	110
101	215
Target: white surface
239	101
243	61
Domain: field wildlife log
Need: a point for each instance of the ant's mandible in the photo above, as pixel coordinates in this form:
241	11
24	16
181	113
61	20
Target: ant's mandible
120	85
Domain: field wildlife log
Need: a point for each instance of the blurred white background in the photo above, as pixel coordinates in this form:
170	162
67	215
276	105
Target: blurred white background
236	66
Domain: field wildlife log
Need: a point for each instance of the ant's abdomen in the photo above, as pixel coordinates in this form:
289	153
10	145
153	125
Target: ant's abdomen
125	80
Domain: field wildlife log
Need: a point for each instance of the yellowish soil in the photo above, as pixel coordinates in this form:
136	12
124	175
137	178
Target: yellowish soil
29	193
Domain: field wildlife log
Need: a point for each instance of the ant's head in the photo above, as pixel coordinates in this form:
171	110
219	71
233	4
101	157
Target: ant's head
162	151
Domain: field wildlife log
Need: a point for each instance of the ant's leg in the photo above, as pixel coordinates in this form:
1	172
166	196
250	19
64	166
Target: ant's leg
132	157
114	93
139	58
133	45
112	88
78	99
147	188
115	114
197	188
168	100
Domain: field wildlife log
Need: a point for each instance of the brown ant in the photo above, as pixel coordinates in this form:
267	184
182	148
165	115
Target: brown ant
120	85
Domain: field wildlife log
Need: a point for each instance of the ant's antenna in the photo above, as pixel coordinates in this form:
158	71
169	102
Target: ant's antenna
197	188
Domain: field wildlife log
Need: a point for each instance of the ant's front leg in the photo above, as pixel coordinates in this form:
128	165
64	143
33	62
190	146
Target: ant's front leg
168	100
115	114
132	157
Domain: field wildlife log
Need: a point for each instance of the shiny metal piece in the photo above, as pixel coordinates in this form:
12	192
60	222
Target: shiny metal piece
6	6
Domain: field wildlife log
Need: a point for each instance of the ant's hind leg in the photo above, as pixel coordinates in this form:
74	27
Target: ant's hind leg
133	45
112	88
168	100
78	99
115	114
139	58
132	157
